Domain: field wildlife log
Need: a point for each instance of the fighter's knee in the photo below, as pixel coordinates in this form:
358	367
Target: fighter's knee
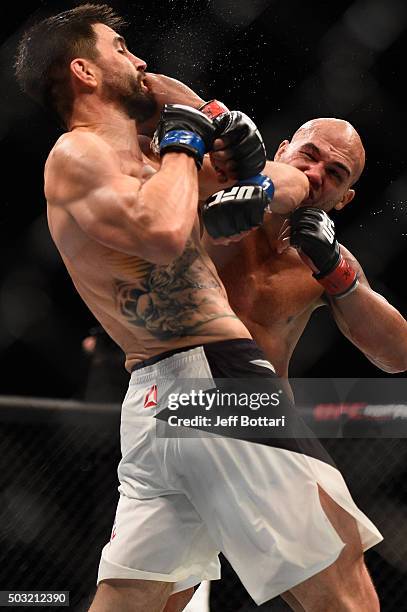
345	585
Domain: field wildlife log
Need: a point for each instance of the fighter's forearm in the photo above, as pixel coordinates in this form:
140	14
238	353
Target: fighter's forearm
166	90
291	186
169	200
374	326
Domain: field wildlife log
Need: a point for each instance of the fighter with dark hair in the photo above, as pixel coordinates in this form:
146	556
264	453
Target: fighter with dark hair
127	227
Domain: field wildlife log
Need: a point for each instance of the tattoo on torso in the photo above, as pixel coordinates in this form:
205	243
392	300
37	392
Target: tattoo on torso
173	300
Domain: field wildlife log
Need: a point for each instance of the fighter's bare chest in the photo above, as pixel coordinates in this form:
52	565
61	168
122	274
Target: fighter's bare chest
272	291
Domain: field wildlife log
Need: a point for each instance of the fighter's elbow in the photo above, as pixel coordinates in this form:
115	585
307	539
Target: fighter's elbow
392	369
165	246
170	252
397	367
391	366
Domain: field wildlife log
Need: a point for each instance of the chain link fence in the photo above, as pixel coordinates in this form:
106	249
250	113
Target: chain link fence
58	488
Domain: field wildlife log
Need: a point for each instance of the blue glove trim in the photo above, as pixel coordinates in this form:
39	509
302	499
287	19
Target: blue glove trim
184	137
263	181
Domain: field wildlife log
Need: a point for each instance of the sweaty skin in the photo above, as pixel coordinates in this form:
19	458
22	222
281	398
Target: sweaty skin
126	223
146	308
274	295
270	287
128	231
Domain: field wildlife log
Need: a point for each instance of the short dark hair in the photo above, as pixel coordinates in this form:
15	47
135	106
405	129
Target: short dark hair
46	50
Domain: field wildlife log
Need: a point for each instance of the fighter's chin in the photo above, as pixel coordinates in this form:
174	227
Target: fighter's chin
142	107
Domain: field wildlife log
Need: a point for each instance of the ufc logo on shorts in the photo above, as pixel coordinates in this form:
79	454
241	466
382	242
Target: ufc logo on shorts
328	229
243	192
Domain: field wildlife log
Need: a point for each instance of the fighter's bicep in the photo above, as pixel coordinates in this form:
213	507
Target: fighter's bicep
88	183
108	214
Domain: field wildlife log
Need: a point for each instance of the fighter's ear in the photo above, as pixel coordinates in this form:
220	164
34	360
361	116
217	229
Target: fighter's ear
281	148
348	197
84	72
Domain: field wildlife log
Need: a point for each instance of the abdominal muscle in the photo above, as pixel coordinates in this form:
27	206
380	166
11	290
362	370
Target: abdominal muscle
146	308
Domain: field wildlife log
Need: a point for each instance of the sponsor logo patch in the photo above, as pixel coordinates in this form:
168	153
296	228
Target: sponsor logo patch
150	400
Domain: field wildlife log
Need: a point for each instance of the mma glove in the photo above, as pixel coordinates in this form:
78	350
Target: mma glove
235	209
242	139
313	234
240	208
186	130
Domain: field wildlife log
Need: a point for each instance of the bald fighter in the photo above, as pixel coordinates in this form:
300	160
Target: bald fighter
284	285
275	289
290	267
127	228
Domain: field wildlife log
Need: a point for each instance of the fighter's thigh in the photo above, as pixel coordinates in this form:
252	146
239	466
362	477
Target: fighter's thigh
346	581
131	596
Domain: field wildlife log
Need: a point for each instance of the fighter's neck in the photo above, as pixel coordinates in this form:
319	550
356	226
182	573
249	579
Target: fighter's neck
111	124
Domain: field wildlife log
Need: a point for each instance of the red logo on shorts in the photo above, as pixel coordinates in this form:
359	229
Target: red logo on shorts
150	399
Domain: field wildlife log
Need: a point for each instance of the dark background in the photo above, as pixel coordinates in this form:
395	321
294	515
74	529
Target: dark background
282	62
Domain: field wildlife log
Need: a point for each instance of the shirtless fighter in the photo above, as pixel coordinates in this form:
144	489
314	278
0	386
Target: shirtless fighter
283	285
127	228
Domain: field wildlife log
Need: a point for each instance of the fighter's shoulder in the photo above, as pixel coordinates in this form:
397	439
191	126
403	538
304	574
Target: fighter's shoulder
77	159
79	147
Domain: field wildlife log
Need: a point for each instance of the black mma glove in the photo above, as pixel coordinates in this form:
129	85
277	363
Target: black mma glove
240	208
242	138
234	210
313	234
185	129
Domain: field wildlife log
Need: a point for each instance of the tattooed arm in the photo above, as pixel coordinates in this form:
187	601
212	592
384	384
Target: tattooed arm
152	220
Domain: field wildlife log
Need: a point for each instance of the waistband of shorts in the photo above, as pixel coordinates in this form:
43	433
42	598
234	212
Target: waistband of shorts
218	345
